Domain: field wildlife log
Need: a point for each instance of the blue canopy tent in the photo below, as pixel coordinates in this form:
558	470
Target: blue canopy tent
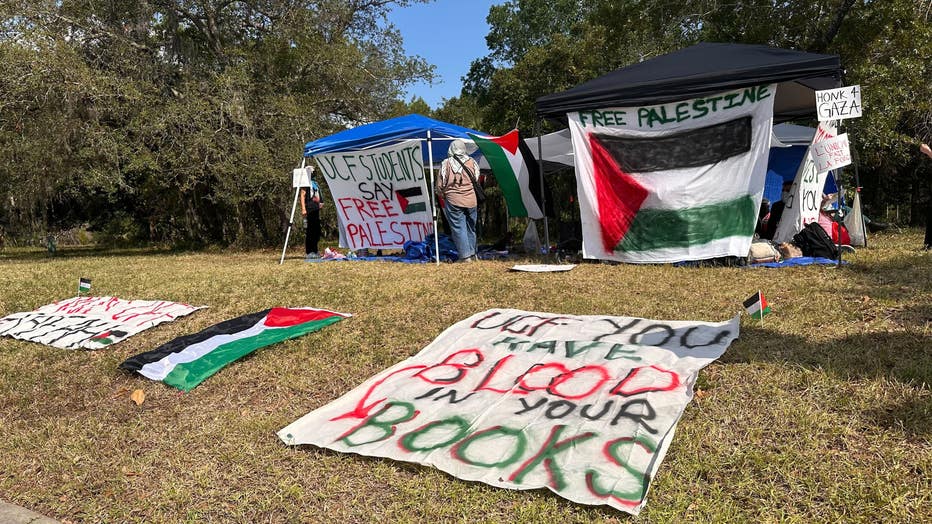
435	133
785	159
392	131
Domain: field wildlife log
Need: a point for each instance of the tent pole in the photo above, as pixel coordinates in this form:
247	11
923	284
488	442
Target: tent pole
433	205
838	197
543	192
294	205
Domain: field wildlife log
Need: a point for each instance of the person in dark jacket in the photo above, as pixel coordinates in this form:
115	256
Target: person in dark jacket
311	202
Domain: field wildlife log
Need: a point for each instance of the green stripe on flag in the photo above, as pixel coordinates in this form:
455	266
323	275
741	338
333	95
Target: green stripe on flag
188	375
694	226
504	174
760	314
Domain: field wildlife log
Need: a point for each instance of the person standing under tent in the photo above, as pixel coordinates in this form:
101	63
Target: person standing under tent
311	202
927	243
454	185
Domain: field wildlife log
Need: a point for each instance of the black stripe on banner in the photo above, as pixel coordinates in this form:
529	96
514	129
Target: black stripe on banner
409	192
751	301
227	327
693	148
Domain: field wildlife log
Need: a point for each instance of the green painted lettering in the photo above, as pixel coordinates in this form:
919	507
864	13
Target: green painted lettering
730	100
763	92
460	429
619	351
700	108
643	114
682	111
386	427
547	456
460	450
620	118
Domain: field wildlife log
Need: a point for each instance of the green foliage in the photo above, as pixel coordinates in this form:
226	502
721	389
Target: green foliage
181	119
539	47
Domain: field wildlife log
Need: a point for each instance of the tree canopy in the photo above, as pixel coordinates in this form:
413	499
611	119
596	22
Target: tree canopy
538	47
178	120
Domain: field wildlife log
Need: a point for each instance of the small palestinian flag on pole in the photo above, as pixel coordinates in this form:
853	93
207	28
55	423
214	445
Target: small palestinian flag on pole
84	285
187	361
516	171
757	306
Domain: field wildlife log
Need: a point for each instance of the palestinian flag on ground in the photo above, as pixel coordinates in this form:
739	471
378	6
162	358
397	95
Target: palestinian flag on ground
757	305
84	285
516	171
187	361
673	182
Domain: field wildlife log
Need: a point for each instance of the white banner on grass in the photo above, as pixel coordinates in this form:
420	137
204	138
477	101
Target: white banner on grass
805	200
380	195
90	322
585	406
673	182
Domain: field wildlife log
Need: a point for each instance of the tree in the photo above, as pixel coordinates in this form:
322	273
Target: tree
540	47
179	120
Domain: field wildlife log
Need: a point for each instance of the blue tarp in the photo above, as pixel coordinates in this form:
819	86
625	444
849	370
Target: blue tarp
390	131
800	261
782	166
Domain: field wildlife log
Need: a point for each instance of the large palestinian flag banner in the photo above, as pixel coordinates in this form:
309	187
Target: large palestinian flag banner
672	182
90	322
585	406
516	171
187	361
380	195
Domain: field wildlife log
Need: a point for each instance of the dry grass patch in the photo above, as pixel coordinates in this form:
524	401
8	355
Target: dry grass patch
823	413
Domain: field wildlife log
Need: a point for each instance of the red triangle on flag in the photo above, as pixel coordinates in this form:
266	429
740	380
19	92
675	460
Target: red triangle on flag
402	201
285	317
618	194
509	141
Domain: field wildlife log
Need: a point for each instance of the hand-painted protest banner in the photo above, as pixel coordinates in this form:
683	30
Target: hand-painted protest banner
838	104
380	195
90	322
585	406
672	182
804	204
831	153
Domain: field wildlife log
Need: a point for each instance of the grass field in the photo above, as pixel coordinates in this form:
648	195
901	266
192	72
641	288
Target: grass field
823	414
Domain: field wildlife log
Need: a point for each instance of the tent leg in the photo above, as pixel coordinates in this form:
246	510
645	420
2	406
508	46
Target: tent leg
433	205
294	205
543	192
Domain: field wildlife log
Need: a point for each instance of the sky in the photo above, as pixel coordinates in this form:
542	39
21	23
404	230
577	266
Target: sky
461	26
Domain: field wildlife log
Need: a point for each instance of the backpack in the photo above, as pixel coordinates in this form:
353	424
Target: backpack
815	242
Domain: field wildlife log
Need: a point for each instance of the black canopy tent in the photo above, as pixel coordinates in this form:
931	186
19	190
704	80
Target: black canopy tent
701	70
705	69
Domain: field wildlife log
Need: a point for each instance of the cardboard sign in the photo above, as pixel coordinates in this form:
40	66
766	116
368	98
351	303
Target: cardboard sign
831	154
839	104
301	177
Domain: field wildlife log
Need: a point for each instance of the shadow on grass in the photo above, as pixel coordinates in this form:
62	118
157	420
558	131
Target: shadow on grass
38	255
602	512
903	356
